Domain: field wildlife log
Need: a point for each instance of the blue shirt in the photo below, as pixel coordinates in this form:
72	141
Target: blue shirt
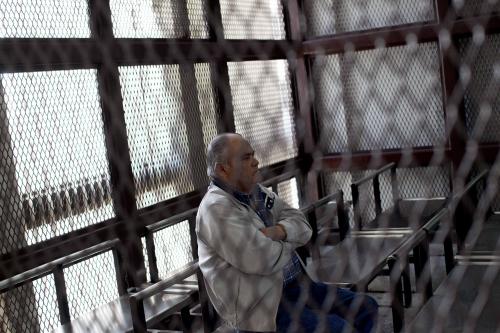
261	203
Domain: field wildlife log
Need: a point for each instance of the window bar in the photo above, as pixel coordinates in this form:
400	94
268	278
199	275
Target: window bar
117	149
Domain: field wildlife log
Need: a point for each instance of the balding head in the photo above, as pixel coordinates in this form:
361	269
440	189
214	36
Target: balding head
217	151
231	159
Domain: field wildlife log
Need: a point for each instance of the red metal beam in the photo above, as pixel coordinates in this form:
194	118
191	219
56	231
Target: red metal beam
398	35
372	160
20	54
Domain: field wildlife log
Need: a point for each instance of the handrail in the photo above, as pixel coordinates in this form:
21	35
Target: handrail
408	245
431	224
335	195
171	220
374	174
469	185
136	300
49	267
280	178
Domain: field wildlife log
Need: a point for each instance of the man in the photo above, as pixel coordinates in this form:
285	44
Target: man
246	242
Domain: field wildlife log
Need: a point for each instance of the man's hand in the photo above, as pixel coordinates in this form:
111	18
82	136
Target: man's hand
276	232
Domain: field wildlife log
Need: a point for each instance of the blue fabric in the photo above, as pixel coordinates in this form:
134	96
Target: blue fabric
335	308
262	204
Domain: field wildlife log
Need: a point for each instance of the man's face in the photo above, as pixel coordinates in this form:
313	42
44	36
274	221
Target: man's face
242	170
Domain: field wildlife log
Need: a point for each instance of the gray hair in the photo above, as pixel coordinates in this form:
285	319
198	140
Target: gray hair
217	153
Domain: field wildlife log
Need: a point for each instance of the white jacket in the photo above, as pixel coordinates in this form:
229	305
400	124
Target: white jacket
242	268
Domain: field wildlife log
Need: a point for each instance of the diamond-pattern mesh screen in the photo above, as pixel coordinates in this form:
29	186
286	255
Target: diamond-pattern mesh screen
379	99
31	307
263	108
253	19
91	283
179	76
467	8
482	100
288	191
158	131
44	19
327	17
172	248
55	175
158	19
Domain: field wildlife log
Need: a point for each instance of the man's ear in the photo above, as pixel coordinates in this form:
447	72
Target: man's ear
221	168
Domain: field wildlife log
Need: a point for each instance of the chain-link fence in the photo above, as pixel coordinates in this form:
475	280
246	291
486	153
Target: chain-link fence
107	109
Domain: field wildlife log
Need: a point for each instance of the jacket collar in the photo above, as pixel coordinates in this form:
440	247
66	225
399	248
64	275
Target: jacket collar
238	195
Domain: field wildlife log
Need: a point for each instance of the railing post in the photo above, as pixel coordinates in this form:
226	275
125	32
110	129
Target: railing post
150	250
376	195
138	316
62	297
394	185
355	206
343	219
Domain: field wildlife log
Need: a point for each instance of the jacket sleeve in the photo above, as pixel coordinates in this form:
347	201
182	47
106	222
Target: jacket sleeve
231	233
297	228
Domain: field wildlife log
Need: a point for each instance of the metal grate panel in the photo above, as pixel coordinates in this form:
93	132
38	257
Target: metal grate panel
327	17
158	131
468	8
30	308
172	248
428	182
158	19
253	19
482	100
263	110
379	99
91	283
288	191
55	175
44	19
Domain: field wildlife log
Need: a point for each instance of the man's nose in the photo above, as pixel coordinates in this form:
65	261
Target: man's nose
255	162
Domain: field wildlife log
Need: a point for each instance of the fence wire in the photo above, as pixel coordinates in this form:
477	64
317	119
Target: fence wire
107	108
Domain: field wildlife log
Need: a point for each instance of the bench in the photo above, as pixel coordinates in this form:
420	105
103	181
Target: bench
366	251
459	304
467	301
116	315
400	215
113	316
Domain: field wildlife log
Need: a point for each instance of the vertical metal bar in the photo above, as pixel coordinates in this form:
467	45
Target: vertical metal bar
355	206
426	269
62	297
394	186
117	149
190	101
186	320
396	295
219	70
303	115
151	251
120	280
207	311
406	282
138	316
376	195
192	234
343	218
449	257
